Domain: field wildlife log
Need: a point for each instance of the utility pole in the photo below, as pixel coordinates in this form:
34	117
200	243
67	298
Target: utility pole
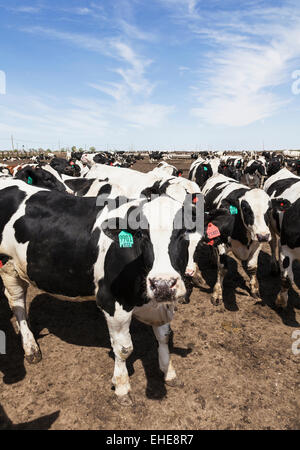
12	142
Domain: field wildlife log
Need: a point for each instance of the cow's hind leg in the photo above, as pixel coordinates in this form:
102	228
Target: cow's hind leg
118	326
15	291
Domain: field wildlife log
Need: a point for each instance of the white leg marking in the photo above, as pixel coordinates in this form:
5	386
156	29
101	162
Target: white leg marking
118	326
162	335
15	290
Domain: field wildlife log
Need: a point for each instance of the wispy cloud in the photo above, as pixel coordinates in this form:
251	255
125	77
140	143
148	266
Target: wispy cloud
27	9
133	76
252	52
133	32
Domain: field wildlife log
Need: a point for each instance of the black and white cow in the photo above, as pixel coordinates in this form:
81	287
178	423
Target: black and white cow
40	177
201	170
254	173
62	166
89	187
285	223
131	259
167	169
135	184
246	232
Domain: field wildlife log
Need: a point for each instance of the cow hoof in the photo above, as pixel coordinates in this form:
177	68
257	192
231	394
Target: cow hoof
124	400
176	382
216	301
34	358
184	301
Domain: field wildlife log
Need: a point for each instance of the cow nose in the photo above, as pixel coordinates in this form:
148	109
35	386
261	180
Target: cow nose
163	288
263	237
159	284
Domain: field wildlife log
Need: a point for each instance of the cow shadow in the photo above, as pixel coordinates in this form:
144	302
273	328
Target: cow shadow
83	324
42	423
12	362
269	287
232	281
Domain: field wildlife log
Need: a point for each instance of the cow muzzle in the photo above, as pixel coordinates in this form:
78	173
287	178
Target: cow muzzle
263	237
165	289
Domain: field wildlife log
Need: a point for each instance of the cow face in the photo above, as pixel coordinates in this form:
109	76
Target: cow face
170	242
159	243
253	207
224	223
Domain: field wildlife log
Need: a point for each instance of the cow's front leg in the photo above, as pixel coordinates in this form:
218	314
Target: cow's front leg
286	279
15	291
252	270
118	326
162	334
273	246
217	295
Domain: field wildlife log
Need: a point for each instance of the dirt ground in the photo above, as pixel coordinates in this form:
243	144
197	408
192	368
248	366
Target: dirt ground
235	360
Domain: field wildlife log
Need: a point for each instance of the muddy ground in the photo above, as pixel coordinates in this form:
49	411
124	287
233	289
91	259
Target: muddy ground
236	362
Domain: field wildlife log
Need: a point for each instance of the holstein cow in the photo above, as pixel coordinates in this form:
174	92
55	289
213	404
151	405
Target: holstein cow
248	230
201	170
83	187
131	259
37	176
135	183
167	169
285	188
254	173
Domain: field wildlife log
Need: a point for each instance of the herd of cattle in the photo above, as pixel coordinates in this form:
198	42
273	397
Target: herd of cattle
66	228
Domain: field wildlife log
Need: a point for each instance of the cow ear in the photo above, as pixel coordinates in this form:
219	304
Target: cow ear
280	204
221	222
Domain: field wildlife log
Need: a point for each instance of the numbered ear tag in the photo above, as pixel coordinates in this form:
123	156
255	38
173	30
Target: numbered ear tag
125	239
233	210
205	168
29	180
212	231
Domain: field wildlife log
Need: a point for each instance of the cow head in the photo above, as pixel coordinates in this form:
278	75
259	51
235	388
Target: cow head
203	172
252	209
40	178
223	222
156	237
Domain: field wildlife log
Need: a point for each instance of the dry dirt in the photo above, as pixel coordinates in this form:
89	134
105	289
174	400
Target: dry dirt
236	362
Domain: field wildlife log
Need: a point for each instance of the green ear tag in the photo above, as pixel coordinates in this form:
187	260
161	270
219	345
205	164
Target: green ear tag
233	210
125	239
205	168
29	180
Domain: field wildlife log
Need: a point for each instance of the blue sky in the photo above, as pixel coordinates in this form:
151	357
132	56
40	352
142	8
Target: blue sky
141	74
